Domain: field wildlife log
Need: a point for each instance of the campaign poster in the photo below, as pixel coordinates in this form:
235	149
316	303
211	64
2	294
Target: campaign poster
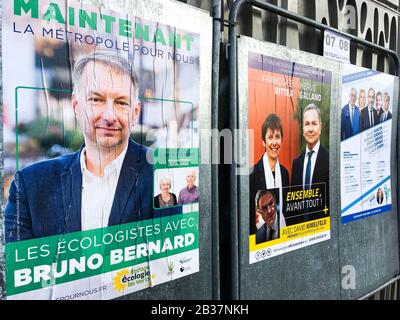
288	111
101	161
365	148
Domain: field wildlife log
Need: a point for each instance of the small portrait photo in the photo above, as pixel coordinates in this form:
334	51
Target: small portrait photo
379	196
174	187
267	210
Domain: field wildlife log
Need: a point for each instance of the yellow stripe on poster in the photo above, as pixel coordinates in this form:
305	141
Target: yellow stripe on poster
293	232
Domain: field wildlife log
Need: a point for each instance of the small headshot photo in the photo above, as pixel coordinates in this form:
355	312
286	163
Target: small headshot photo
165	198
267	206
175	187
379	196
190	193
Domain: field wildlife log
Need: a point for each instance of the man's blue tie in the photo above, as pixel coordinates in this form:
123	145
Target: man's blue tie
307	182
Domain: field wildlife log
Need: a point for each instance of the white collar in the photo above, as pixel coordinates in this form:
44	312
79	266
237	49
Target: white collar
270	180
115	164
315	149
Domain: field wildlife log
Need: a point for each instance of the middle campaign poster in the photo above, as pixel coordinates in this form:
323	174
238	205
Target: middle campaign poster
288	112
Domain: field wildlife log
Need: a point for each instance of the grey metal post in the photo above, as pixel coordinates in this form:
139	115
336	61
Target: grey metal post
215	147
233	123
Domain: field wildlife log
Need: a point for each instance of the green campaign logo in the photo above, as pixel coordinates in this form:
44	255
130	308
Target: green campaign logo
130	278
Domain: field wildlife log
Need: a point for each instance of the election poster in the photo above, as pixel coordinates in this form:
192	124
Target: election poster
365	148
101	160
288	111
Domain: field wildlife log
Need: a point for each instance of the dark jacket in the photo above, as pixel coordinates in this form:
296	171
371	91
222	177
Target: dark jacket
320	175
45	198
261	235
389	116
157	200
364	118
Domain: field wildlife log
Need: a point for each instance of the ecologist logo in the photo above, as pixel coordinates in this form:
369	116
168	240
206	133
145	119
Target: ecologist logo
118	284
135	276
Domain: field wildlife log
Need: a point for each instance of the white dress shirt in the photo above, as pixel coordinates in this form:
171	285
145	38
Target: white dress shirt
98	192
313	160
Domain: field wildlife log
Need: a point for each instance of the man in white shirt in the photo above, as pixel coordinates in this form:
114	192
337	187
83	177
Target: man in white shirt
312	166
109	181
106	104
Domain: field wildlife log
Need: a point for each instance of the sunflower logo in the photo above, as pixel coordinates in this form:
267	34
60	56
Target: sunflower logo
118	284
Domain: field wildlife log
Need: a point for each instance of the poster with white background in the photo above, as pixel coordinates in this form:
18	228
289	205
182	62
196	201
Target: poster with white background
365	148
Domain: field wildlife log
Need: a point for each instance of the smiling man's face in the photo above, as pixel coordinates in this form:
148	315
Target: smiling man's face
104	105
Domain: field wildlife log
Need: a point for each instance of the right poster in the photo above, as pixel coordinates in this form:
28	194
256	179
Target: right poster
365	133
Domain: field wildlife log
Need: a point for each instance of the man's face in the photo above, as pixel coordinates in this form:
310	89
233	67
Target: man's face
379	102
386	103
362	99
352	97
190	178
312	127
371	98
267	208
104	105
273	142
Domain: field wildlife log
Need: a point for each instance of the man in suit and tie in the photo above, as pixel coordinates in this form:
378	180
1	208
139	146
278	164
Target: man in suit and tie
350	117
386	115
312	165
108	181
368	116
267	208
